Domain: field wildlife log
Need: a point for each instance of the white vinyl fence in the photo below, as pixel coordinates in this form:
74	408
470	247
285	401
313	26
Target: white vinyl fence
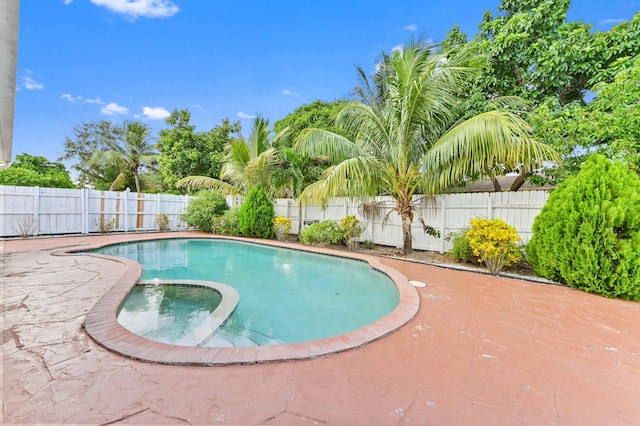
445	213
50	211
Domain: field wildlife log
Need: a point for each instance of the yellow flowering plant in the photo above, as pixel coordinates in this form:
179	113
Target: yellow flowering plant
282	226
350	228
494	242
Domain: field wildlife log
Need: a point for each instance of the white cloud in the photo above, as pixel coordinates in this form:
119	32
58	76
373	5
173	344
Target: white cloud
31	84
67	2
610	21
157	113
97	101
29	81
113	108
243	115
72	99
397	48
137	8
289	92
411	27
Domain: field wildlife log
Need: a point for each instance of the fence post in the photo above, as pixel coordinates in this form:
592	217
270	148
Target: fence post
125	207
489	206
36	210
443	215
85	210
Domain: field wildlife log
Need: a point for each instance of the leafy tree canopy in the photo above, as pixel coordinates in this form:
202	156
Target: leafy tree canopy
130	154
317	114
186	152
87	139
30	170
535	53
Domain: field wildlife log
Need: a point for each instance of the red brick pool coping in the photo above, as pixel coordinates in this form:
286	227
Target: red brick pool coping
101	323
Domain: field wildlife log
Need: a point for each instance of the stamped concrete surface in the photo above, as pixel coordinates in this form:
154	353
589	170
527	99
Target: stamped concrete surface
481	350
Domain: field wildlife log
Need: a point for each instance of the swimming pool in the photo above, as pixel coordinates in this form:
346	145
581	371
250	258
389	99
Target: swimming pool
286	296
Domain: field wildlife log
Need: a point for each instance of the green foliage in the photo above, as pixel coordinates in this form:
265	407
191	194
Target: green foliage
609	125
461	250
202	210
131	154
245	164
410	139
282	226
315	115
186	152
228	223
322	233
257	214
588	233
350	228
368	244
493	242
29	170
87	139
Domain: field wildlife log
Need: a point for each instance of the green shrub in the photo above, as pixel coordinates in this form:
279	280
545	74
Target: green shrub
588	233
494	243
228	223
201	211
461	250
256	214
368	244
350	228
282	226
322	233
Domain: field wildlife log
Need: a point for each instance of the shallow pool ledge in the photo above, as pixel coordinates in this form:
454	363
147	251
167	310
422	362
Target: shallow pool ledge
102	325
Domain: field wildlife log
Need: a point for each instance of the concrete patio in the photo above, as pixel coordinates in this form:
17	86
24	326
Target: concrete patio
481	350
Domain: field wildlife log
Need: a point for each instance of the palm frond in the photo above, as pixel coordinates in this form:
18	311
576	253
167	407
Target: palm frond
320	142
478	145
357	178
204	182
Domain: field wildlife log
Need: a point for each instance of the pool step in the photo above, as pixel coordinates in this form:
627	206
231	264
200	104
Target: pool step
237	336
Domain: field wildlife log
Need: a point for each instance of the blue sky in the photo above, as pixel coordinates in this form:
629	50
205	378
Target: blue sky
86	60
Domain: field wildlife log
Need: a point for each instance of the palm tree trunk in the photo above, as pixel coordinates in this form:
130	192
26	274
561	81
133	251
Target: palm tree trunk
9	16
407	247
137	179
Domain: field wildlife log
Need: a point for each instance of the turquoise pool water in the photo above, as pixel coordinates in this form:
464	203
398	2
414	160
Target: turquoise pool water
286	295
151	310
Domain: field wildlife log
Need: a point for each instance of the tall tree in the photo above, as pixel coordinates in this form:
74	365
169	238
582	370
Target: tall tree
408	141
186	152
130	155
246	163
87	139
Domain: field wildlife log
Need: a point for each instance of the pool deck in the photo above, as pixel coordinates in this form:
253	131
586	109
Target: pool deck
481	350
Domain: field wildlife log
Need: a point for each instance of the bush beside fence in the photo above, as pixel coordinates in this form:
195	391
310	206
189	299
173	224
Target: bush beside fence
52	211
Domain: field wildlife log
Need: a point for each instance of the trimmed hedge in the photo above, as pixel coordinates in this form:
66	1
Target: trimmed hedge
257	214
588	234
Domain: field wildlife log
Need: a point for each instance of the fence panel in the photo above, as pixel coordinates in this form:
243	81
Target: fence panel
49	211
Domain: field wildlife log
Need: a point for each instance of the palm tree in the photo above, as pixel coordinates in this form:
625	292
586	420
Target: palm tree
9	16
408	140
246	163
130	155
